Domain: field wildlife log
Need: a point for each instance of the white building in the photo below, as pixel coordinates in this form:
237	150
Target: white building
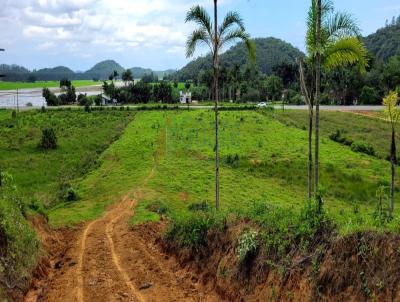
185	97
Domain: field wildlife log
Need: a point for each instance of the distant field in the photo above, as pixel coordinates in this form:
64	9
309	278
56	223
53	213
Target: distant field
262	160
48	84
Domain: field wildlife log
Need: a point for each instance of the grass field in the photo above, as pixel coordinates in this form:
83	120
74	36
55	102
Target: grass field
82	137
371	129
47	84
262	160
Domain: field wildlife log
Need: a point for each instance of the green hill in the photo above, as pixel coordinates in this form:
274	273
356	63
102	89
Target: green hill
270	52
139	72
385	43
103	69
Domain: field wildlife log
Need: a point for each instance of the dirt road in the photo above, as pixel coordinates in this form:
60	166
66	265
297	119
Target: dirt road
108	261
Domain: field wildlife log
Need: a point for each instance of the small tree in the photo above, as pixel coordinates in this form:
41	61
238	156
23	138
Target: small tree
391	102
127	76
49	139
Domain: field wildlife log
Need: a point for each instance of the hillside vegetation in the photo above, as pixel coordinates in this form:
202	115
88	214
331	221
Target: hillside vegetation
270	52
385	43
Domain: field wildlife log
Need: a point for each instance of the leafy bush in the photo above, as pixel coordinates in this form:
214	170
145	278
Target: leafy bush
232	160
247	245
19	246
49	139
190	230
158	207
363	148
369	96
339	138
71	195
199	206
252	95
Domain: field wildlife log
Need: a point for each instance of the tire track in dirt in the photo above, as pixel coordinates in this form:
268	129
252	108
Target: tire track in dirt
116	263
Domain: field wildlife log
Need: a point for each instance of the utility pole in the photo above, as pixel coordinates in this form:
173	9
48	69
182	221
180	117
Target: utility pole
1	179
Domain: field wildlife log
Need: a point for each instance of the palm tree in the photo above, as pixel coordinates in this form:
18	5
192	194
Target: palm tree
216	37
332	40
391	102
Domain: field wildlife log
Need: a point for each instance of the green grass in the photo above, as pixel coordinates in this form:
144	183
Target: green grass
374	131
261	160
45	84
82	137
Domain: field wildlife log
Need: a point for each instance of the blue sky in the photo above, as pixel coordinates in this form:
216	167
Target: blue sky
147	33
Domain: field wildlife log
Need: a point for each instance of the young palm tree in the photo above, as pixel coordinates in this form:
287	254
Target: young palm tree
332	40
216	37
391	102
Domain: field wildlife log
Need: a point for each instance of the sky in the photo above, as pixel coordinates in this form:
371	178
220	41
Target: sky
147	33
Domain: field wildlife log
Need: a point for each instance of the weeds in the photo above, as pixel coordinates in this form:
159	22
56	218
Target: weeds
247	245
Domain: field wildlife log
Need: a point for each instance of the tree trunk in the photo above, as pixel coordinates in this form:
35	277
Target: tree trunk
216	105
317	97
393	160
309	101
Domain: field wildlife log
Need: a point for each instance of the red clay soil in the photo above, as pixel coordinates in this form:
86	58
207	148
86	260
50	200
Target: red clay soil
106	260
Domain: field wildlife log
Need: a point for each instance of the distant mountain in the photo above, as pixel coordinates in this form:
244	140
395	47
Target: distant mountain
58	69
270	52
139	72
103	69
385	43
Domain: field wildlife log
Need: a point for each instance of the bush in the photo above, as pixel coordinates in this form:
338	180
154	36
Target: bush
247	245
339	138
252	95
369	96
49	139
199	206
19	246
191	230
71	195
363	148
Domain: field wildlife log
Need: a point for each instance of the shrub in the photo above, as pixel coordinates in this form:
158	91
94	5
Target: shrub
339	138
19	246
190	230
247	245
14	114
369	96
363	148
49	139
252	95
199	206
158	207
71	195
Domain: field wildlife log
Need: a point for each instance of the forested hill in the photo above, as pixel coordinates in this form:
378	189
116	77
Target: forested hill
385	43
103	69
270	52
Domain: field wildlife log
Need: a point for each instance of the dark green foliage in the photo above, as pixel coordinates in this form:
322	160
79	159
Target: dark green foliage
51	98
158	207
339	138
71	195
270	52
232	160
49	139
199	206
14	114
369	96
190	230
385	43
363	148
251	95
19	246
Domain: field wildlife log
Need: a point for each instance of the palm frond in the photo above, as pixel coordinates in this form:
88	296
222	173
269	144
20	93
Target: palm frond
239	34
347	51
199	36
341	25
231	19
200	16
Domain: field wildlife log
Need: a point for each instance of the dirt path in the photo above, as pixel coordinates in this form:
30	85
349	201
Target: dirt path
107	261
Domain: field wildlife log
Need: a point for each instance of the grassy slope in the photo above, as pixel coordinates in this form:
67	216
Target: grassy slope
375	131
271	167
123	167
82	137
47	84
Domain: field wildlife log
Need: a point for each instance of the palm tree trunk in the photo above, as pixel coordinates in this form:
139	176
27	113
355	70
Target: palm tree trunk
216	105
393	157
309	102
317	98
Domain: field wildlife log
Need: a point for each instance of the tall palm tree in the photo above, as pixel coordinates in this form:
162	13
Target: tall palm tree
332	40
216	37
